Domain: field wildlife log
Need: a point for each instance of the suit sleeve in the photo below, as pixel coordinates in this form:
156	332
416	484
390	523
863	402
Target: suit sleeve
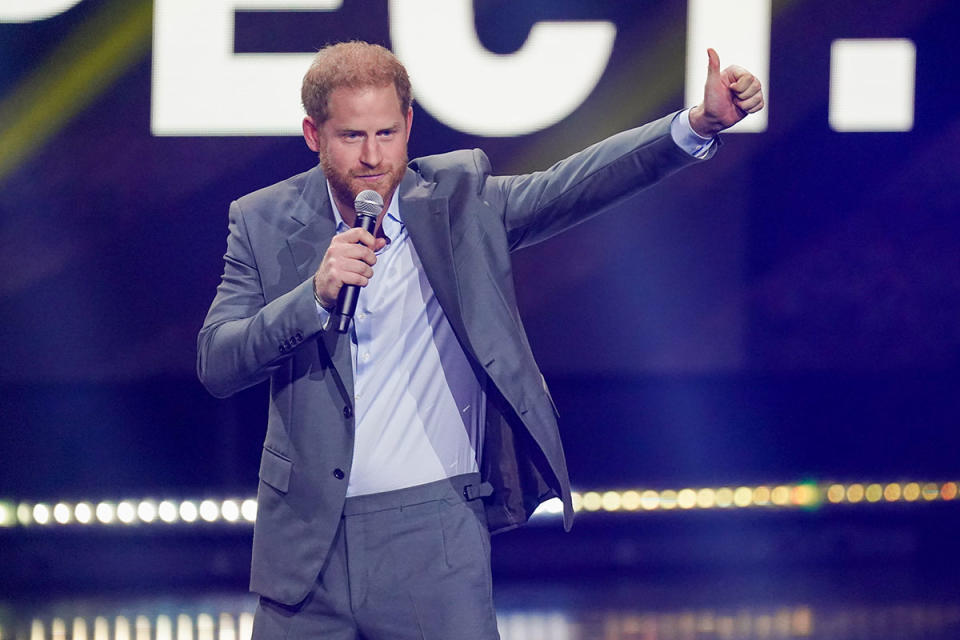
539	205
245	338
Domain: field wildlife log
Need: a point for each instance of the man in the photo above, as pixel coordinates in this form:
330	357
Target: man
394	449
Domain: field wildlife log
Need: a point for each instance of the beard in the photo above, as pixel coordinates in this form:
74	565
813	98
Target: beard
346	185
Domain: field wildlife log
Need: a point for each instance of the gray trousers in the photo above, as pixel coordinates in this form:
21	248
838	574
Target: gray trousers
407	564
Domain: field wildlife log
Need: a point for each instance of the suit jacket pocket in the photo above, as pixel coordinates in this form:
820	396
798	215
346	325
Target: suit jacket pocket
275	470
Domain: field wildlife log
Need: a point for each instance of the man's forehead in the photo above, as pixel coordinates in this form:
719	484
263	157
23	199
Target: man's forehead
365	101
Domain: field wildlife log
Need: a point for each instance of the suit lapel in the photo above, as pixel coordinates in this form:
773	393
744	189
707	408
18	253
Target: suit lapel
314	213
307	246
428	222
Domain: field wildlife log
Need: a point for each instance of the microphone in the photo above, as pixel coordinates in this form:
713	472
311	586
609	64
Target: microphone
367	205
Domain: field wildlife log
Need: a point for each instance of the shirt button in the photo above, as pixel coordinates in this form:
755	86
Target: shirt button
361	316
366	357
338	474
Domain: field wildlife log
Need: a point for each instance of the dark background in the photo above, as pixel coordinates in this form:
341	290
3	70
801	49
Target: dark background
788	310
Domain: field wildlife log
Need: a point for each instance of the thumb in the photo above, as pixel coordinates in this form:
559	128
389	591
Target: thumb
713	62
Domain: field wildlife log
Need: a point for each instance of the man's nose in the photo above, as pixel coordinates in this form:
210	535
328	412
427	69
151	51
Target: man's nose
371	154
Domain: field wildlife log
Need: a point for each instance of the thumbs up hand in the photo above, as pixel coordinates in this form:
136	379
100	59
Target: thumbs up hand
728	96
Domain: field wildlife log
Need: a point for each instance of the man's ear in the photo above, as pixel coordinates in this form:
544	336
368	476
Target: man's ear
409	121
311	135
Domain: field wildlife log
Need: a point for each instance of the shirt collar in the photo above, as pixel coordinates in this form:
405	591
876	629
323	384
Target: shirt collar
392	222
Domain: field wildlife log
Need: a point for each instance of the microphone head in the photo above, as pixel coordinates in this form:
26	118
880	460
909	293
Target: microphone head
368	203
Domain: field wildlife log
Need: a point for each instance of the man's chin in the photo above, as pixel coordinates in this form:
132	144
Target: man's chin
384	186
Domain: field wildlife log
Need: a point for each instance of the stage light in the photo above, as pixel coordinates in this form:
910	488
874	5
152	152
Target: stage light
83	512
141	628
611	501
41	513
37	630
911	491
106	512
209	510
855	493
101	628
631	500
724	497
121	626
249	510
184	627
948	491
743	496
805	495
835	493
706	498
204	626
164	628
931	491
188	511
780	496
147	511
8	514
649	500
24	514
668	499
62	513
228	628
577	500
126	512
592	501
687	498
245	625
874	493
892	492
167	510
79	630
230	510
761	495
58	629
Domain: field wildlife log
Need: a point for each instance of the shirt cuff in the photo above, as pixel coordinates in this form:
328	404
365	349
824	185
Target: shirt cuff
688	139
323	313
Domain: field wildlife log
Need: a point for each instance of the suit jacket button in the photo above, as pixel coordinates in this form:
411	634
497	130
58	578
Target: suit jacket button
338	474
347	412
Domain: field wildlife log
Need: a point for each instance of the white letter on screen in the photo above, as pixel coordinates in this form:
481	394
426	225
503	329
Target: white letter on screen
32	10
740	32
201	87
465	86
872	84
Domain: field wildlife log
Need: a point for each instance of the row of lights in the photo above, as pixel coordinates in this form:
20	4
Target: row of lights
184	627
784	622
801	495
128	512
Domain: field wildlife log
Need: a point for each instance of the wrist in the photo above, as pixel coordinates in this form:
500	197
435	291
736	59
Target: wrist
319	300
702	124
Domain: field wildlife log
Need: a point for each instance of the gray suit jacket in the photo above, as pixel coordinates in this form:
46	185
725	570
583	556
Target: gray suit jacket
464	222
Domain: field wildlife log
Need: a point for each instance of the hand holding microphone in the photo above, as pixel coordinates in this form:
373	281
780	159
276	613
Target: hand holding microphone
347	264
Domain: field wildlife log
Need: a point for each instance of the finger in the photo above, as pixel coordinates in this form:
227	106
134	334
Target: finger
356	252
740	79
356	235
751	105
752	91
713	62
340	267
